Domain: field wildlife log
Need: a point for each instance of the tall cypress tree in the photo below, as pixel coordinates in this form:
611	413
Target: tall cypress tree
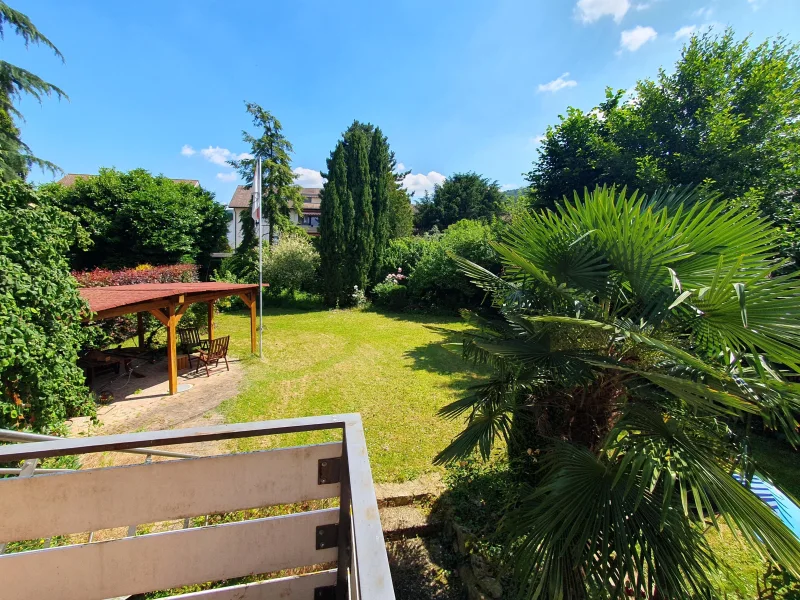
380	181
333	233
362	182
357	143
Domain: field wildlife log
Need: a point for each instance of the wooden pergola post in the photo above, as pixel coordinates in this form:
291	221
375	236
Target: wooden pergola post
169	317
249	298
140	329
172	353
210	320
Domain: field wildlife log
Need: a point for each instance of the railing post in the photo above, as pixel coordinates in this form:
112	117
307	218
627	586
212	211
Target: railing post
344	553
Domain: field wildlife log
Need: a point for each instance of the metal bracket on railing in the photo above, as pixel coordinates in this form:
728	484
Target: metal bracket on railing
329	470
327	592
327	536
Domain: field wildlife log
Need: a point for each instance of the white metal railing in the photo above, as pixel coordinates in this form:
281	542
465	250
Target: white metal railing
64	503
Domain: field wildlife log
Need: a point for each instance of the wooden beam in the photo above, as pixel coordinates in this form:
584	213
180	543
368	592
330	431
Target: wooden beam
247	297
159	314
172	354
184	307
210	319
140	329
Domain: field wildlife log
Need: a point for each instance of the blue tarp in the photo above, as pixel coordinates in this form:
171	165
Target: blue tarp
787	510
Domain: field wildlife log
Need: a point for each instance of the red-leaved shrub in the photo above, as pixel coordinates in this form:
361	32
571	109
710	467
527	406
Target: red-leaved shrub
145	274
118	329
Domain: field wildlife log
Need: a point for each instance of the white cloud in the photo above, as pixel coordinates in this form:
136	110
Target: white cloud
686	31
221	156
558	84
633	39
703	12
420	183
187	150
308	177
590	11
756	4
227	177
643	5
538	139
400	167
508	186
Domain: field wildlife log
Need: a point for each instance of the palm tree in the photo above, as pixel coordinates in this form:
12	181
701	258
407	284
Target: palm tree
634	334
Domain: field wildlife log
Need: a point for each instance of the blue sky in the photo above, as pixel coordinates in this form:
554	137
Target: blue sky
456	85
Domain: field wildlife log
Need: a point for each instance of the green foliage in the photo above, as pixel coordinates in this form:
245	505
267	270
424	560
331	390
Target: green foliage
461	196
40	313
15	156
437	280
404	253
728	115
363	207
401	214
390	294
357	150
135	218
636	331
291	265
279	193
336	221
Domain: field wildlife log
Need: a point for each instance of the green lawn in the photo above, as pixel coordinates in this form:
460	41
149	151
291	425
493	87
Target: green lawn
390	368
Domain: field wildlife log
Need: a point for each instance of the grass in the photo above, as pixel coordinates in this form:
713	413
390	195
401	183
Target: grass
390	368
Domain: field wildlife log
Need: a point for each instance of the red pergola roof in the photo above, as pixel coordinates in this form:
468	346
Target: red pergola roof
104	299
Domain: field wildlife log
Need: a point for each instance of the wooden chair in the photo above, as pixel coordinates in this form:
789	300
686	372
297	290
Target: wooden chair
217	349
190	341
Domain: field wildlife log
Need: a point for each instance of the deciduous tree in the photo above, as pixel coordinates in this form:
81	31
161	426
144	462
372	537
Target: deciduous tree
136	218
727	116
461	196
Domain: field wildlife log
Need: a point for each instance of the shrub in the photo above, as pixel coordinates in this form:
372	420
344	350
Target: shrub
136	217
405	253
141	274
40	313
291	264
390	294
437	281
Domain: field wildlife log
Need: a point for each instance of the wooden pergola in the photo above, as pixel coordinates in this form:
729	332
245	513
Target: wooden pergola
167	302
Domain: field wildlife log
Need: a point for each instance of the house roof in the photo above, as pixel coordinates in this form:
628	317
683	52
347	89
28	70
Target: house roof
242	194
70	179
115	300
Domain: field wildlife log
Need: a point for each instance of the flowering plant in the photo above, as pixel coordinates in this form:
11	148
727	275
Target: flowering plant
397	278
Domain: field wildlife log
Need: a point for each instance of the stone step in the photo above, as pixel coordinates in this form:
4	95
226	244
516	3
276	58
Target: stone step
406	521
424	489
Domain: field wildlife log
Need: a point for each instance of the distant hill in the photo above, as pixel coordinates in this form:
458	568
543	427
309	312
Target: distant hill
515	193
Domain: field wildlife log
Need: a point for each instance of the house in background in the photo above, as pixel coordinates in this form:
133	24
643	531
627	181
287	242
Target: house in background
240	207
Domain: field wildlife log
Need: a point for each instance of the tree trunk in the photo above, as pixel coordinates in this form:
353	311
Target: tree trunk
271	225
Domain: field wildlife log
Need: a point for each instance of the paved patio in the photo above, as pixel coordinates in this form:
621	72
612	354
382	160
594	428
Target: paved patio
144	403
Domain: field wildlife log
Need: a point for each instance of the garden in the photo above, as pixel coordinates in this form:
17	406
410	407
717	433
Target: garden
598	366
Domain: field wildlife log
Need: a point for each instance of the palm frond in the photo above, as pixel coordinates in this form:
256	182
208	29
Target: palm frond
580	531
695	466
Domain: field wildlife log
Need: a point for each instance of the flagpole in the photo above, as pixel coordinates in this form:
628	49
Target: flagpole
260	265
